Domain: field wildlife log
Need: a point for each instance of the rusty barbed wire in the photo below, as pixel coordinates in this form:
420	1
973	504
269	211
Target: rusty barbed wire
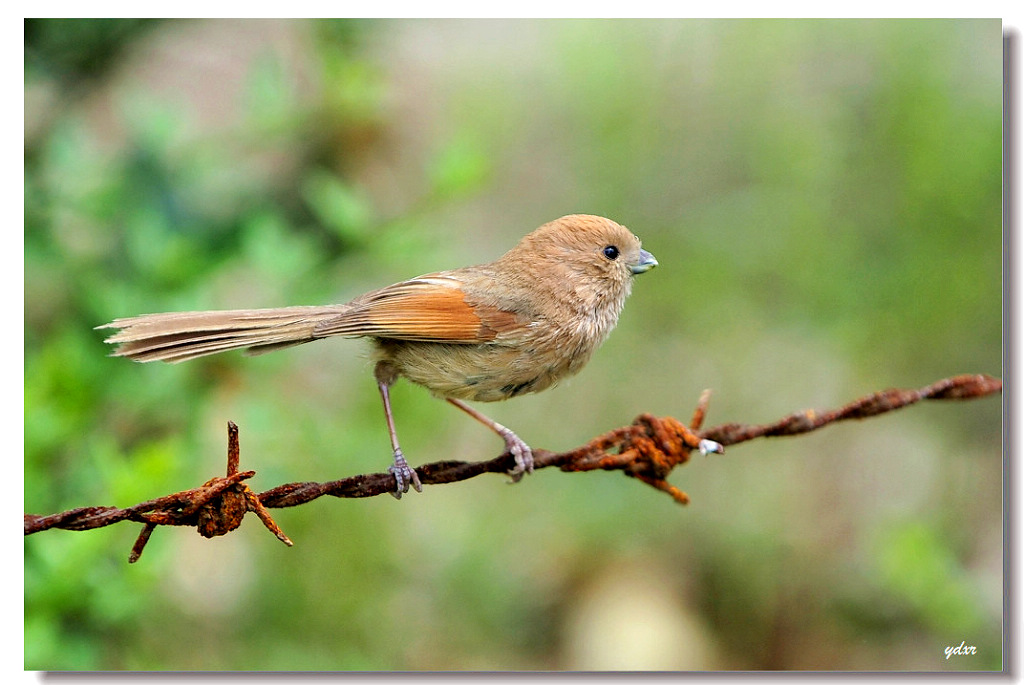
215	508
965	387
648	450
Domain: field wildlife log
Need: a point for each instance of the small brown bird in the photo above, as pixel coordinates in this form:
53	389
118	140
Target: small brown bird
483	333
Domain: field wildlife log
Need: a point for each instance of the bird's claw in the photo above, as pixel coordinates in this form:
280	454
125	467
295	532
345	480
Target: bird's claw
522	454
404	476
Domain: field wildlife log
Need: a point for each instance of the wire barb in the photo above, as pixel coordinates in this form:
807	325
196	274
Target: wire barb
215	508
647	450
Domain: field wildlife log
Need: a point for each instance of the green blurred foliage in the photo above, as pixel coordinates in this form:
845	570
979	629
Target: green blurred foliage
824	199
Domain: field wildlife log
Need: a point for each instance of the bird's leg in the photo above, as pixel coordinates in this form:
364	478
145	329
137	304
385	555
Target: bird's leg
403	474
519	449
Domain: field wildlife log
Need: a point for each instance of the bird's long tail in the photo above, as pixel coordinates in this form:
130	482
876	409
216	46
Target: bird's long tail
179	336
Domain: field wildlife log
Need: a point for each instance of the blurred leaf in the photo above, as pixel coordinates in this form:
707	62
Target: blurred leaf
270	98
461	168
271	247
75	48
340	207
918	565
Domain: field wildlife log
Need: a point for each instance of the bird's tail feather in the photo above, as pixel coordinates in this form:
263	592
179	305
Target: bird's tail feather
179	336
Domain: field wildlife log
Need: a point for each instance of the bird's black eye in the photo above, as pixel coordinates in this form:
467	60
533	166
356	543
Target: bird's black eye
611	252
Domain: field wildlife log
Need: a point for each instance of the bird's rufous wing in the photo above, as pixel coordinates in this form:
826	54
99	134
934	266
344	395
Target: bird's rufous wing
431	308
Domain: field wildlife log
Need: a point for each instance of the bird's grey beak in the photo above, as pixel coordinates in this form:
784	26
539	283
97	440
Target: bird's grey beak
647	261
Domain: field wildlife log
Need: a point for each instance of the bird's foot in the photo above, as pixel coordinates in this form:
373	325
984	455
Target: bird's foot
522	454
404	476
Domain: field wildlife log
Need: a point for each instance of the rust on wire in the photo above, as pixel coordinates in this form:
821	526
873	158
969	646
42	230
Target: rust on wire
215	508
647	450
965	387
